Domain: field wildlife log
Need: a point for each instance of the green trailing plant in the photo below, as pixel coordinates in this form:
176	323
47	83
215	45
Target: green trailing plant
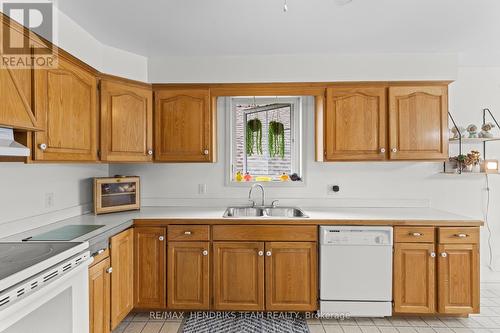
276	138
254	137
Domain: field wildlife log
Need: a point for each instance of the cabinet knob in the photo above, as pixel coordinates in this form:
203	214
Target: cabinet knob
394	150
161	238
205	152
150	152
382	150
205	252
416	234
461	235
187	232
268	253
433	254
444	254
109	270
42	146
260	253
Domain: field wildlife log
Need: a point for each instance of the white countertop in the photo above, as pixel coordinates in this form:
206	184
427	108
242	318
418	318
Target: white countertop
123	220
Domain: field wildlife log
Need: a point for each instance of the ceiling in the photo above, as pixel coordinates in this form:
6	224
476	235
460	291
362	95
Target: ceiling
261	27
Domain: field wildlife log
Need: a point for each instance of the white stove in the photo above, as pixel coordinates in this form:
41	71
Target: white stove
44	287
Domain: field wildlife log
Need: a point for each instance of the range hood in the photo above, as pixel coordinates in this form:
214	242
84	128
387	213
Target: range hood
8	146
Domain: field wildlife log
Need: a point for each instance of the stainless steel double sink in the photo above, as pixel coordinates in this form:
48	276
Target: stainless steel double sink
263	212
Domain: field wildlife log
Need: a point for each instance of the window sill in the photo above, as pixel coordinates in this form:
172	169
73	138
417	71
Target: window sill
266	184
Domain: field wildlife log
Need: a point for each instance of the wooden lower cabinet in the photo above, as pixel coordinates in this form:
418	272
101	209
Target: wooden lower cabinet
291	276
414	278
99	297
188	283
149	267
458	278
440	278
122	277
238	275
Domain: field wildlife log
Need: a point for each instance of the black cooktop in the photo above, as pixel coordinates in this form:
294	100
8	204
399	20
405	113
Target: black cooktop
15	257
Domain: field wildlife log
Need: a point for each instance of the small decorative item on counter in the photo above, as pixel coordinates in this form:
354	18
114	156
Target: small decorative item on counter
247	177
263	179
239	176
472	129
472	161
284	177
295	177
462	132
457	163
116	194
485	131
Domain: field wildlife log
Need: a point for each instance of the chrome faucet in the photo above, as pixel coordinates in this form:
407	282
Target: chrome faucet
263	194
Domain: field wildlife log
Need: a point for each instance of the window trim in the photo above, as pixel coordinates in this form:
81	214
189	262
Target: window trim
297	123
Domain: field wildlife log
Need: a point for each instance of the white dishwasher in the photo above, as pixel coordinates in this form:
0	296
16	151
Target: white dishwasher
356	271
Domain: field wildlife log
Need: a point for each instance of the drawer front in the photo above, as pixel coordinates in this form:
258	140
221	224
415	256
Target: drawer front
265	233
458	235
188	233
414	234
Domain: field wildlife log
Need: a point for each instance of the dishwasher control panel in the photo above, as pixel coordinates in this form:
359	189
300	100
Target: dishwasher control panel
356	235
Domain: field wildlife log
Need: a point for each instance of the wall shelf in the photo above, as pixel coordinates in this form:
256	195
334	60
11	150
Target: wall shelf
461	141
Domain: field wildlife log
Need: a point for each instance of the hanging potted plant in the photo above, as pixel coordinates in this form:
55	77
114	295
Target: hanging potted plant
276	139
254	136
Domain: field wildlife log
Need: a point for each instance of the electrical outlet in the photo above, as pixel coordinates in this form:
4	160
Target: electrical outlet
332	189
202	188
49	200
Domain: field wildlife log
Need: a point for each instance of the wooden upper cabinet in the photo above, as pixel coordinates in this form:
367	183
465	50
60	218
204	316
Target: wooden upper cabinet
126	121
16	108
66	107
149	267
458	278
99	297
355	124
238	276
184	126
291	276
418	122
414	278
188	283
122	277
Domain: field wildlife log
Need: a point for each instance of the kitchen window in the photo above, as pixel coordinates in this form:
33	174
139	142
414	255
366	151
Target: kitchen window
265	139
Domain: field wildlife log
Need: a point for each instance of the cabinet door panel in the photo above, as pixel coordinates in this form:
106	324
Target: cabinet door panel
418	123
355	124
414	278
458	278
99	299
150	248
183	126
188	276
65	104
291	276
238	276
122	278
126	122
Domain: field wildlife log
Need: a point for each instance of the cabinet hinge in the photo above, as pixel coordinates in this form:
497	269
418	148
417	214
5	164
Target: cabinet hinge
324	153
98	153
99	85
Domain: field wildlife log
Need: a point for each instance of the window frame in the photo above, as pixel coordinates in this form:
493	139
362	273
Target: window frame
296	126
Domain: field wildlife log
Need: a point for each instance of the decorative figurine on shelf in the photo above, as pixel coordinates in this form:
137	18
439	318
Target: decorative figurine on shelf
239	176
472	129
247	176
486	128
284	177
295	178
462	132
472	161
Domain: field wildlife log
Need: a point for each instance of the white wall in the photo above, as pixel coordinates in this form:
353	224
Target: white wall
303	68
24	188
74	39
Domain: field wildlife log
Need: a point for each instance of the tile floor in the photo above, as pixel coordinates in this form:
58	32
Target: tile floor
487	322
